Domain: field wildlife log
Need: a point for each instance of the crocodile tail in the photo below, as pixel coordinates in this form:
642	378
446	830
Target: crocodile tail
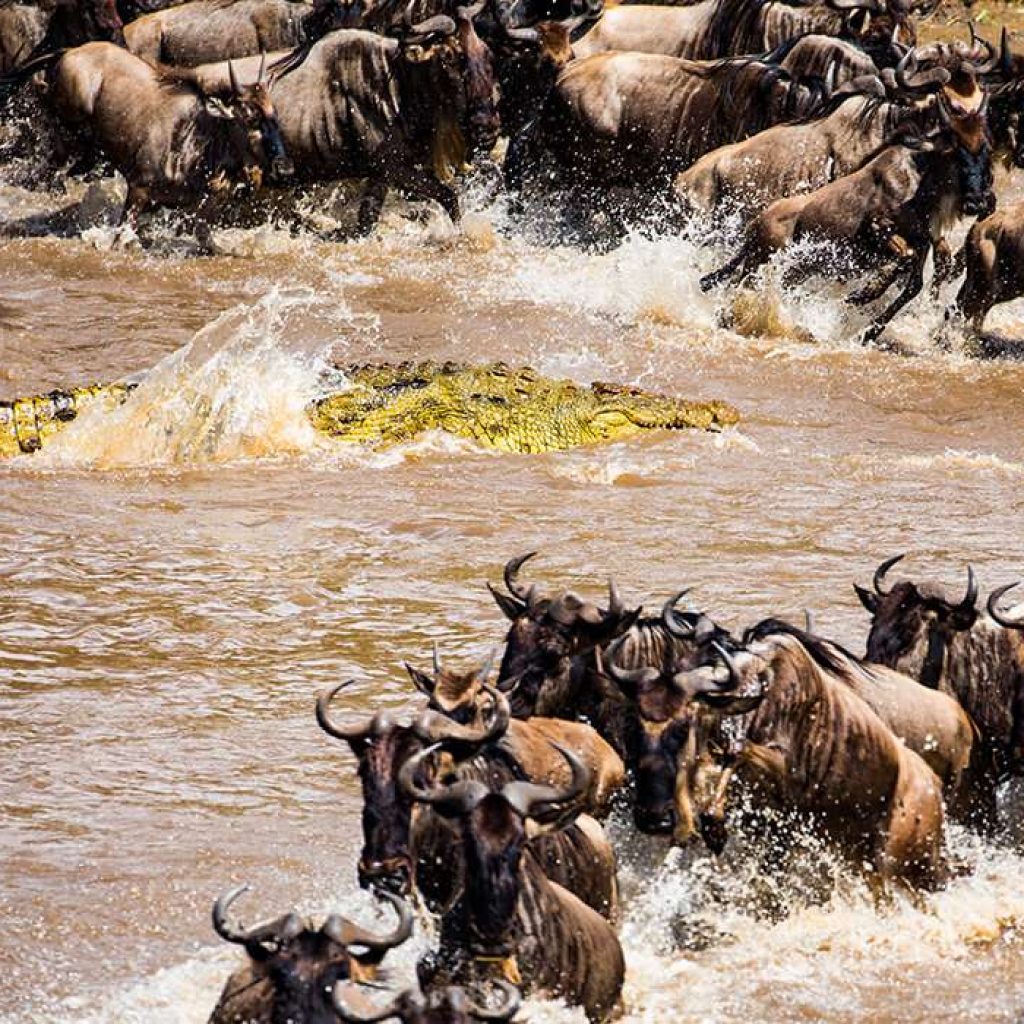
25	423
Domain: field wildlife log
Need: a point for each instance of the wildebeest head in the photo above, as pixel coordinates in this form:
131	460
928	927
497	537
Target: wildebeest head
455	694
456	86
954	75
913	625
1003	76
448	1005
728	683
254	108
513	14
548	633
382	744
875	24
493	825
297	965
670	755
530	58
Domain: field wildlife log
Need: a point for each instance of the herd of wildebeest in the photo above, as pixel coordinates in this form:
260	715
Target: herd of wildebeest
484	805
770	121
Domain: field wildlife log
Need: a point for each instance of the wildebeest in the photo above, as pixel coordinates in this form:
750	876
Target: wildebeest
541	666
204	31
951	646
293	966
860	120
636	119
450	1005
401	113
510	920
175	144
709	29
669	761
528	61
401	847
886	216
466	698
811	746
994	259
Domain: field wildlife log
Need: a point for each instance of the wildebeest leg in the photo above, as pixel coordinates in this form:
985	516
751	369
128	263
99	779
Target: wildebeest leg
911	288
876	288
519	156
739	262
943	265
421	184
370	205
137	202
974	300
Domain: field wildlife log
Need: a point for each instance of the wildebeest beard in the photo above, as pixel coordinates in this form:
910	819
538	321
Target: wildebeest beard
493	840
386	860
974	172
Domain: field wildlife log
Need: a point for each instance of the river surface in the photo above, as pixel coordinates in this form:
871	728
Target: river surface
179	578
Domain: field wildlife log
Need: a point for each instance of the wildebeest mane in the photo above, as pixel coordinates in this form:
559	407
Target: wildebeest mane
734	27
827	654
172	78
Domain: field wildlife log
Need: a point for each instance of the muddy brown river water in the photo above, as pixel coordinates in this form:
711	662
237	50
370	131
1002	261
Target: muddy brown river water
180	577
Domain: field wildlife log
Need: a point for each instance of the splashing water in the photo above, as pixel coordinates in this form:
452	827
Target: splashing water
234	392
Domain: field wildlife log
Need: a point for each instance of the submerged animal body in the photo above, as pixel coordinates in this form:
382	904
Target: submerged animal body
514	410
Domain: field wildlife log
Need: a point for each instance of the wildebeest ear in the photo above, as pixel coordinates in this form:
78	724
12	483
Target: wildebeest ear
424	683
511	607
869	600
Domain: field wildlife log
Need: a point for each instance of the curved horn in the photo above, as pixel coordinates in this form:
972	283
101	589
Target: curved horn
233	77
347	933
994	612
349	733
531	799
631	677
439	24
350	1016
512	567
522	35
671	623
990	63
434	727
261	77
882	570
505	1011
735	679
285	927
915	82
615	605
970	600
452	801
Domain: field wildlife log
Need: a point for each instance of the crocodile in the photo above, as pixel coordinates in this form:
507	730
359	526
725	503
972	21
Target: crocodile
383	404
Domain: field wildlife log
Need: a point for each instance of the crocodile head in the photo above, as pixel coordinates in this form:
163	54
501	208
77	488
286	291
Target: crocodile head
620	410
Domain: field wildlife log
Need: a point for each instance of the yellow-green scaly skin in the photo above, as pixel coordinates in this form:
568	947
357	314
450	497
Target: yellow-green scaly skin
514	410
26	423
